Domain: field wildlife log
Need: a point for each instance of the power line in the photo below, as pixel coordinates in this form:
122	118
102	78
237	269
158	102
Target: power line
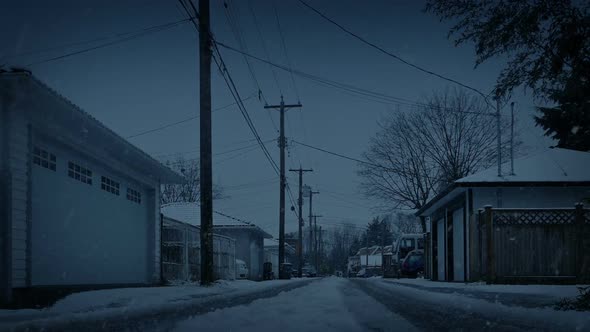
274	4
376	96
235	27
274	74
181	121
215	154
233	90
339	155
141	33
382	50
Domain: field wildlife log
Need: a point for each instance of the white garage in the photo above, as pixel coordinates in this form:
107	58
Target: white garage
80	204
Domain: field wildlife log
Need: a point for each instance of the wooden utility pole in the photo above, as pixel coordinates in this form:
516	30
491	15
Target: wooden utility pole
300	203
206	177
283	183
315	241
311	193
498	137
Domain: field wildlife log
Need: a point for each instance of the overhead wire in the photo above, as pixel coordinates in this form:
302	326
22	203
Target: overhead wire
140	33
182	121
285	49
236	31
218	59
374	96
391	54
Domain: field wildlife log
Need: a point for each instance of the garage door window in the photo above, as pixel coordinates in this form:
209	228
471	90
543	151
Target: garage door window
134	195
110	185
43	158
79	173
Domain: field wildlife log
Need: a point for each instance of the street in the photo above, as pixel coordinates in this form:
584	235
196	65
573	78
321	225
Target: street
337	304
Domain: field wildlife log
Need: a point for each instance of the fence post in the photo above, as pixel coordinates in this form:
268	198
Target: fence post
490	259
580	255
428	254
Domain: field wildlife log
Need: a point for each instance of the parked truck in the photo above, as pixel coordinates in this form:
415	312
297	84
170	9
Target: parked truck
401	248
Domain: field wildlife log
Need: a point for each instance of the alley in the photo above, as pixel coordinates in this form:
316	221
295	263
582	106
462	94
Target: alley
338	304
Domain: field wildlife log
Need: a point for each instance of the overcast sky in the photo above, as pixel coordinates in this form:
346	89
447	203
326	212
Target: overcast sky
152	81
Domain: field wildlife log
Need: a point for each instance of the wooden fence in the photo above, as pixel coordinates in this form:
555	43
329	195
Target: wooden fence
534	245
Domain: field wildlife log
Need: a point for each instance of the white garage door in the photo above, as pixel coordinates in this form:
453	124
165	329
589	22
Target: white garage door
458	246
83	234
440	238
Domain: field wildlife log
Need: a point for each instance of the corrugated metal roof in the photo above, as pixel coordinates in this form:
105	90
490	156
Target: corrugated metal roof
157	169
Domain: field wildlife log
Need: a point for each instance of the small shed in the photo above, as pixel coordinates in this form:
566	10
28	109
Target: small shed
249	237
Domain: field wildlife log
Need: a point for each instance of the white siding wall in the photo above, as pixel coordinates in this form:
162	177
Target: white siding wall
82	234
157	241
529	197
18	161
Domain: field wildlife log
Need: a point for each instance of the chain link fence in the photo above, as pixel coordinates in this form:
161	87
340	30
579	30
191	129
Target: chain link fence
181	253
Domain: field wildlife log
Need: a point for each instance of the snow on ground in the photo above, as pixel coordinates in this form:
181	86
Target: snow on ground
112	302
546	317
332	304
557	291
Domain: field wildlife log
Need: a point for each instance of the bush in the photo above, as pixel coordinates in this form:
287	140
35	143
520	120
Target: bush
580	303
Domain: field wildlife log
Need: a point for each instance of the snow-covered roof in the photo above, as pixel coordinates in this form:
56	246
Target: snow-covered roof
552	165
55	113
191	213
549	168
274	243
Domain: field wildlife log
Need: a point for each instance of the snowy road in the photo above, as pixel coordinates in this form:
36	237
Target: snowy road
331	304
336	304
328	304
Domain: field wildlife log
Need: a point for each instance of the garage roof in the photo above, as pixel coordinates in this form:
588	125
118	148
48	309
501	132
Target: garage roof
61	117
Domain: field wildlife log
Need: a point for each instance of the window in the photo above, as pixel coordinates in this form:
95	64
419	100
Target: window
134	195
43	158
110	185
79	173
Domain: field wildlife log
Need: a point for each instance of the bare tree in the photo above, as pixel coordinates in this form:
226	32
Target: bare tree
189	189
417	153
403	223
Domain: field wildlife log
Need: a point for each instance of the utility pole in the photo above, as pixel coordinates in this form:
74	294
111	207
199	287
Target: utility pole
206	177
282	143
315	241
512	138
311	193
499	138
383	246
367	252
321	246
300	203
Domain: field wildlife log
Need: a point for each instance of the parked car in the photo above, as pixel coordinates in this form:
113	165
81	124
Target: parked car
362	273
413	264
309	272
241	269
339	274
405	244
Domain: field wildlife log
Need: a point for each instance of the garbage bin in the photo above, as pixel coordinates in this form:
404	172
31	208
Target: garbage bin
267	271
286	271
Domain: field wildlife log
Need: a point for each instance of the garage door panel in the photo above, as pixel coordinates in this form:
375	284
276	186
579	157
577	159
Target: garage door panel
84	235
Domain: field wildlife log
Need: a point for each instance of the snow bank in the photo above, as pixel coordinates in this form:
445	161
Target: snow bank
557	291
546	317
109	303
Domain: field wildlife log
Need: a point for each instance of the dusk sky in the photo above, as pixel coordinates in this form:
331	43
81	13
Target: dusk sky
152	81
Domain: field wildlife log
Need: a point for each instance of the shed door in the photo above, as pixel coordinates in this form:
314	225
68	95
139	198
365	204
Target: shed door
82	234
441	248
458	246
